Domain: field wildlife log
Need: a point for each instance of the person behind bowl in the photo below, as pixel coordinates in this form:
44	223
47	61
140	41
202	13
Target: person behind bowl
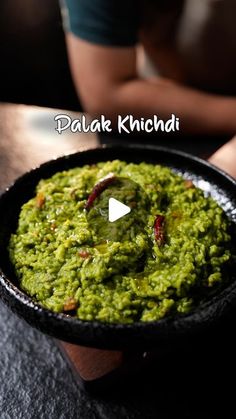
156	57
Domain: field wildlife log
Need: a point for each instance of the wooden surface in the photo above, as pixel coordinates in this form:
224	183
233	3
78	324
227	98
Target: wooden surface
91	363
28	138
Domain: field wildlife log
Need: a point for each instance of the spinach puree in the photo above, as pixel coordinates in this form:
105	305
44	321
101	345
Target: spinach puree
161	259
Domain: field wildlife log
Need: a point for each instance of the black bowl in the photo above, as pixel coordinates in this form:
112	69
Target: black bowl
114	336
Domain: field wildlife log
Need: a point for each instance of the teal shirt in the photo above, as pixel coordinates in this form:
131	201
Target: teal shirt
105	22
198	37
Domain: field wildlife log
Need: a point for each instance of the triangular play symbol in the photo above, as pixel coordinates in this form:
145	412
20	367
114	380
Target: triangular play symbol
117	210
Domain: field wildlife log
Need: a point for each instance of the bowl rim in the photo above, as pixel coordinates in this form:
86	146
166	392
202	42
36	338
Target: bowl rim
114	146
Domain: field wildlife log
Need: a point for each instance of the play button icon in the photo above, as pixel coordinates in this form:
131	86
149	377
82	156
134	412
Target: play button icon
116	210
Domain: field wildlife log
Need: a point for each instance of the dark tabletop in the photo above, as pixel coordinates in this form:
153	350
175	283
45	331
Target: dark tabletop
35	380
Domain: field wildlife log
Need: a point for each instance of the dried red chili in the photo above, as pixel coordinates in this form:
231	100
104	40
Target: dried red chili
188	184
84	254
98	189
40	200
70	304
159	229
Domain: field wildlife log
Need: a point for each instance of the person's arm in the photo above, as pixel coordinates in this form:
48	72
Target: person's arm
107	83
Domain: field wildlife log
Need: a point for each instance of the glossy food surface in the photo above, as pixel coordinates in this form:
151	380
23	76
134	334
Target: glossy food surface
163	258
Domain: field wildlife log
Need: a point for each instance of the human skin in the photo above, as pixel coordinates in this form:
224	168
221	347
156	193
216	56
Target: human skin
107	82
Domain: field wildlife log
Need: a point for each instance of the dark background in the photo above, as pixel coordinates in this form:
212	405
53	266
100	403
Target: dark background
33	62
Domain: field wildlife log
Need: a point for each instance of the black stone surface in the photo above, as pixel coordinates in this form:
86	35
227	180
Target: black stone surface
35	381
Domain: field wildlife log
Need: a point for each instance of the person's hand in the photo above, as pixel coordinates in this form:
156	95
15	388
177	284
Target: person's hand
161	81
107	83
225	111
225	157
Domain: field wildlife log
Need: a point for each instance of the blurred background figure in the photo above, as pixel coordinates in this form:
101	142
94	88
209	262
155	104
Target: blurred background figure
156	57
139	57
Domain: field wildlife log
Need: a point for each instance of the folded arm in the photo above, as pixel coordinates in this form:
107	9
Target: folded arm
107	82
